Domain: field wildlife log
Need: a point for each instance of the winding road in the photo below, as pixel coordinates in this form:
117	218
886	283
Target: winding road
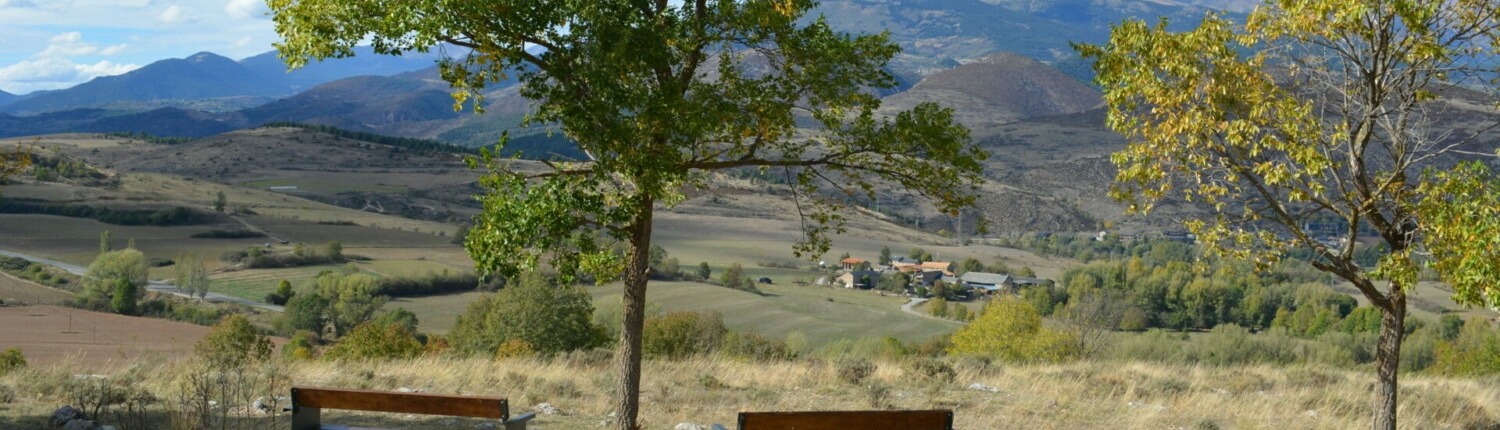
157	286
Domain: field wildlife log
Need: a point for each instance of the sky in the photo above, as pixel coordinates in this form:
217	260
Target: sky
53	44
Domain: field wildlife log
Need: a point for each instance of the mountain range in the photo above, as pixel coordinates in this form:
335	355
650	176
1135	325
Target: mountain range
209	82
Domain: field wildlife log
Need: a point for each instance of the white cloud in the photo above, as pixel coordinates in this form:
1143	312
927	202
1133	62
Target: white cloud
54	73
241	9
56	66
173	14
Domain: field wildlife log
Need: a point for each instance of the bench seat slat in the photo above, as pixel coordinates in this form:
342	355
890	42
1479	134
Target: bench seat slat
832	420
409	403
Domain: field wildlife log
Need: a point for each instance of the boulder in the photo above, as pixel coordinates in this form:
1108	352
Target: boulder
63	415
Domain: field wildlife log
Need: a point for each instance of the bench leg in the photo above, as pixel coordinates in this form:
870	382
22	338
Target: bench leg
519	422
305	418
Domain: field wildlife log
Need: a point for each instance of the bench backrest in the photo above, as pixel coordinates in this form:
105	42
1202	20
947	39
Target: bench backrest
843	420
398	402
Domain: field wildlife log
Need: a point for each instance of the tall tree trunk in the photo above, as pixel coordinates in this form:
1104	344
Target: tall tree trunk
1388	358
628	357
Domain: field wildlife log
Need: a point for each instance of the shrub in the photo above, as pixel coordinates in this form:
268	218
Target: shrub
228	234
682	334
1010	329
855	371
376	341
552	319
11	360
514	348
754	346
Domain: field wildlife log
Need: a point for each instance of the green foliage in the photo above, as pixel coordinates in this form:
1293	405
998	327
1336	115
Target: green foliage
885	256
228	234
282	295
683	334
334	252
1226	107
124	298
938	307
655	94
1449	326
305	312
552	319
220	202
104	276
704	272
399	316
233	343
300	346
166	217
377	341
1474	352
352	299
191	275
1009	329
11	360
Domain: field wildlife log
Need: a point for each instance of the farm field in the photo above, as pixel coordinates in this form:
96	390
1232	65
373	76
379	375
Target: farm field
14	291
93	341
823	314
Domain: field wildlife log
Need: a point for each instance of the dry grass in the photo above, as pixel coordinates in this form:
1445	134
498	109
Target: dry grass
1060	396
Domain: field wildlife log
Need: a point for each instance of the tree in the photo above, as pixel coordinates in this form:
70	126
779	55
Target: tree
551	319
704	272
352	299
105	273
233	343
334	251
655	94
1010	329
104	245
1315	109
733	276
885	256
220	201
191	275
124	297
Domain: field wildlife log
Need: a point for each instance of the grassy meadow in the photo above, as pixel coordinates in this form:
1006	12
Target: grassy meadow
1079	395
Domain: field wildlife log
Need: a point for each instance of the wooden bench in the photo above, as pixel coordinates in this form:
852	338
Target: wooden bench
843	420
308	403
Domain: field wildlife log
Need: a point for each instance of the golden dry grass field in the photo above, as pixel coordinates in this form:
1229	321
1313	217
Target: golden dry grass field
1080	395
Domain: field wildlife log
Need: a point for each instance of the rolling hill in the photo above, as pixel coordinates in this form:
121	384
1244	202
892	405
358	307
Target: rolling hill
201	76
997	89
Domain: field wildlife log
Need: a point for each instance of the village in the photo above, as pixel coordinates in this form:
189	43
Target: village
919	275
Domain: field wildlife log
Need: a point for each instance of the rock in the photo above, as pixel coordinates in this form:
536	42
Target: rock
689	426
409	390
61	416
981	387
81	425
546	409
487	425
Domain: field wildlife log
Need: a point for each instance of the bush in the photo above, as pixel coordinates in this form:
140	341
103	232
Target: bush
754	346
376	341
855	371
682	334
552	319
228	234
11	360
1010	329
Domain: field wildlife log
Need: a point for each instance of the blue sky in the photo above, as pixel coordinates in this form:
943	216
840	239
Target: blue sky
51	44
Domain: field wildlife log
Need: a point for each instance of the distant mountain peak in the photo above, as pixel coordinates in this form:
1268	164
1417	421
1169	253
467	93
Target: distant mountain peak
206	56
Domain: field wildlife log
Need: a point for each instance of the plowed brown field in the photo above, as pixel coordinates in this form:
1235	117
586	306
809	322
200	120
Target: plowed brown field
92	341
